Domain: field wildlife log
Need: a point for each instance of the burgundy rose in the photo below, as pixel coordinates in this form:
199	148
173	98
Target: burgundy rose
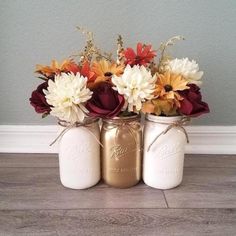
192	104
105	101
38	100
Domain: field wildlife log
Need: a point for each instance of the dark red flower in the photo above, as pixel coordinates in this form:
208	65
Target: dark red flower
143	56
192	104
38	100
105	101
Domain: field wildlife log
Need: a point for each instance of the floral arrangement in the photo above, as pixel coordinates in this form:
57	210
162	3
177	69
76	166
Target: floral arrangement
98	85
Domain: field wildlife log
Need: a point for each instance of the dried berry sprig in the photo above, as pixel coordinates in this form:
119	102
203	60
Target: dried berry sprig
120	50
91	50
163	48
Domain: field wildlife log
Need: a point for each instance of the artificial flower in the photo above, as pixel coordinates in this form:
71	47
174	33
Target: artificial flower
188	69
164	107
192	104
148	107
70	66
38	100
160	107
136	84
168	85
104	70
105	101
143	55
86	71
67	95
56	68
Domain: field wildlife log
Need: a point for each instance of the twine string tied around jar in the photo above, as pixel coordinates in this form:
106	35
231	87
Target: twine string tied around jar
67	126
130	126
178	124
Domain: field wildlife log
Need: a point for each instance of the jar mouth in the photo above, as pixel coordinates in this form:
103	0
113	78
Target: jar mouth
166	119
122	119
90	119
87	120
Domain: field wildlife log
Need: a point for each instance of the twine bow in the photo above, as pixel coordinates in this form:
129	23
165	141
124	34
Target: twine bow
69	126
178	124
130	126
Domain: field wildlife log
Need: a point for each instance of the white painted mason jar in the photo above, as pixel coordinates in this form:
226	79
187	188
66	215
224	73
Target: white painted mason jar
163	159
79	155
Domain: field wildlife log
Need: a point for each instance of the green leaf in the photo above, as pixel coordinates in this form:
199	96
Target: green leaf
43	78
45	114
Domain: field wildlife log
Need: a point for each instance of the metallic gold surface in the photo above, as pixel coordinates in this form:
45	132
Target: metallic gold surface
122	153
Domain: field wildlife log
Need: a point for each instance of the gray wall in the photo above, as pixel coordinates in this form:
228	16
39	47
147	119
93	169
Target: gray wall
36	31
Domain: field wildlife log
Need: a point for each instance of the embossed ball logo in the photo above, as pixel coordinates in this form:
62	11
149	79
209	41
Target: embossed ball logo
167	151
118	151
76	152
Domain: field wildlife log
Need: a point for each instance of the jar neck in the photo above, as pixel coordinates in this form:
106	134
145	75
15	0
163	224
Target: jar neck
126	119
163	119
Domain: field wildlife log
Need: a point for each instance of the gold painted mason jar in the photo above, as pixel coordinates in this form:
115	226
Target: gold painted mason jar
122	151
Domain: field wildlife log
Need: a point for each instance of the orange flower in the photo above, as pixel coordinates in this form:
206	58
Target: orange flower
168	85
70	67
86	71
148	107
105	69
166	107
56	68
160	107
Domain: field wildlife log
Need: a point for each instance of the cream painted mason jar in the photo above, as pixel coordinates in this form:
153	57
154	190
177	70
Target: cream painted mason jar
163	159
79	155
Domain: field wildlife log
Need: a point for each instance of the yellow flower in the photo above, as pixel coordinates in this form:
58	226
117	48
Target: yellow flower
168	85
104	70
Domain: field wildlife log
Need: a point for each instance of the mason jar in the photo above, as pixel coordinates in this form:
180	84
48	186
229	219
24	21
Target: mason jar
122	151
163	159
79	154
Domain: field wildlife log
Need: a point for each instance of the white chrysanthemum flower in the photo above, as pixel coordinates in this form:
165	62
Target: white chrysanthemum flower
67	94
188	69
136	84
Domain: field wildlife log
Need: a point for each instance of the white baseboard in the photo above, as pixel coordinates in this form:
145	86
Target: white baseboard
36	139
27	138
211	140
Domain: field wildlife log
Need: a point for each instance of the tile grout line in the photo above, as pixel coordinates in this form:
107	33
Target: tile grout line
165	198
